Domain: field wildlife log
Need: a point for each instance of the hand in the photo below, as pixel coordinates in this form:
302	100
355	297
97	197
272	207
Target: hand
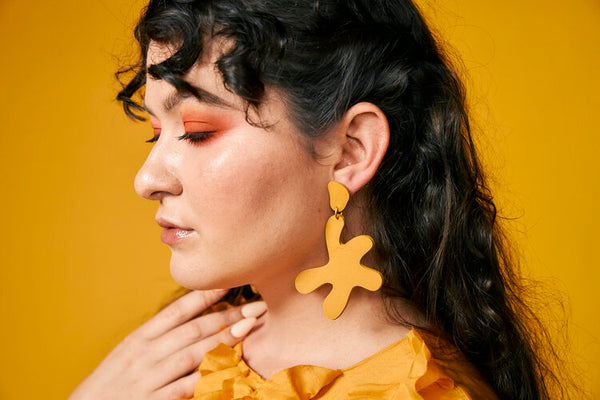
156	361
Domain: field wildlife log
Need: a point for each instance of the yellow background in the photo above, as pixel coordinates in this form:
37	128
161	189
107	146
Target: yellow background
81	261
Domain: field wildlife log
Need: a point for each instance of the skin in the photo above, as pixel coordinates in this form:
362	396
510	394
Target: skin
244	192
255	203
157	360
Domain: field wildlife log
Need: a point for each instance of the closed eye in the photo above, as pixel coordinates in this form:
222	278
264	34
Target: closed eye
156	128
196	137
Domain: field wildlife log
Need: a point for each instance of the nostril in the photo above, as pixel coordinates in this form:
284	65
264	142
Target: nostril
153	182
159	175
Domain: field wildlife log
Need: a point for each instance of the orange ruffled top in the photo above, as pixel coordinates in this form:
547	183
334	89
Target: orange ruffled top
404	370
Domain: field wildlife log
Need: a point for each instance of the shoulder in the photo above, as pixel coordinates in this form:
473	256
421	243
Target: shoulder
459	369
405	370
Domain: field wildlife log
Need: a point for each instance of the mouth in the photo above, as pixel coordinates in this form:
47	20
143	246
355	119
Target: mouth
172	232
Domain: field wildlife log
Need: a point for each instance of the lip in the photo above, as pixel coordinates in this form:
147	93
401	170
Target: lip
173	233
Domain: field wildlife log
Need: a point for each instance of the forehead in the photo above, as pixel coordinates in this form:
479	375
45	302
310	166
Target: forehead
205	76
212	50
159	52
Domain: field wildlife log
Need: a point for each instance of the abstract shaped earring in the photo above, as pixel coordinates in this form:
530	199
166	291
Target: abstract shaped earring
344	270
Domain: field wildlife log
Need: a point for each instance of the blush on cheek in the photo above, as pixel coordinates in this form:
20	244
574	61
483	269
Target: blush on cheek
241	180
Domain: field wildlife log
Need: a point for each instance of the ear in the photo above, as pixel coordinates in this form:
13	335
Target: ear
365	135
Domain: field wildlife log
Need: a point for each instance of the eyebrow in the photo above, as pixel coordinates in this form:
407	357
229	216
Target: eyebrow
199	94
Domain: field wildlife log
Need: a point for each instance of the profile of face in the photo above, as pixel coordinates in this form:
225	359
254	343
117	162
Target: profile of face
240	203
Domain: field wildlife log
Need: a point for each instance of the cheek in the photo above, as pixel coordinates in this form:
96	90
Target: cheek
229	180
241	180
255	192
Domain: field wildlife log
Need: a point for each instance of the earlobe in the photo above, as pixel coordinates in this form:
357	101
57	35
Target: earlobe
366	134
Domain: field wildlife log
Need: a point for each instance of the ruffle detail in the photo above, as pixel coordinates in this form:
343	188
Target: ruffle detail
425	380
404	370
225	376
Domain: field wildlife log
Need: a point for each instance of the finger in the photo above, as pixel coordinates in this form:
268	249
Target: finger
186	360
180	311
180	389
202	327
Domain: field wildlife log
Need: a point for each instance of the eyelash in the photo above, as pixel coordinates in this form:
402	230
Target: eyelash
192	137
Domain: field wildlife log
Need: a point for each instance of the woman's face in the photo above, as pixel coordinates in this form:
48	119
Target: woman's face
241	204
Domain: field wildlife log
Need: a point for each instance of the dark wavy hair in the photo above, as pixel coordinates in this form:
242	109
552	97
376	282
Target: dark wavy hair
430	212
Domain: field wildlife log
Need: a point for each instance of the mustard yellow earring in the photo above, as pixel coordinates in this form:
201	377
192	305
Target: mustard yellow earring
344	270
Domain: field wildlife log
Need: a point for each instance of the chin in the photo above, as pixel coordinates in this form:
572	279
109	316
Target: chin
188	275
196	277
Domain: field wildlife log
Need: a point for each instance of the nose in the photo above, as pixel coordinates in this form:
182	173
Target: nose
158	176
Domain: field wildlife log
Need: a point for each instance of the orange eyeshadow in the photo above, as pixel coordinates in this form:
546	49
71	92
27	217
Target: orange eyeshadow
198	126
198	121
155	125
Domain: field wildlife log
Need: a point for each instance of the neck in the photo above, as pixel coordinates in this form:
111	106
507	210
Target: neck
295	330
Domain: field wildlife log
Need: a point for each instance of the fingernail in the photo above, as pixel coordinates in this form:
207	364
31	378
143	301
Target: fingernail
255	309
241	328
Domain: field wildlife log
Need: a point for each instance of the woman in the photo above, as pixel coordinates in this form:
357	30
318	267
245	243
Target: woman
256	106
